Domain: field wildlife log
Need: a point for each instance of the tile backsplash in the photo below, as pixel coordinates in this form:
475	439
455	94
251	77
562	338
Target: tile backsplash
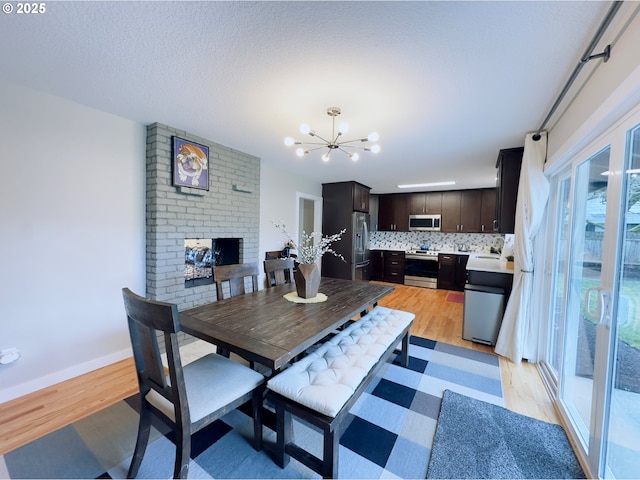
407	241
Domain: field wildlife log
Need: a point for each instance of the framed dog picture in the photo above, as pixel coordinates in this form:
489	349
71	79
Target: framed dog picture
190	164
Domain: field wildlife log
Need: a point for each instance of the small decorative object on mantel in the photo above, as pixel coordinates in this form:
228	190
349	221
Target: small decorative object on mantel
314	246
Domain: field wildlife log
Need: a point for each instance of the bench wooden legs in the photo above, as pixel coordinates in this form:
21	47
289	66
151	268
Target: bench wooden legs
284	429
404	354
330	455
285	446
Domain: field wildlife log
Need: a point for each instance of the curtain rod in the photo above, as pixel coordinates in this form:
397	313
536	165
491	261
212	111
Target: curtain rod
583	60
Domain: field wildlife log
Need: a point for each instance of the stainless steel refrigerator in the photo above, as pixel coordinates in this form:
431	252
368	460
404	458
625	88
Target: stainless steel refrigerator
360	246
354	247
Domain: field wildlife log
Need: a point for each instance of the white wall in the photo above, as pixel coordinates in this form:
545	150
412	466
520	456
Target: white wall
278	202
72	210
612	89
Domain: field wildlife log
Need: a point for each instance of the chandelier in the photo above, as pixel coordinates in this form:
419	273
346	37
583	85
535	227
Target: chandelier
336	142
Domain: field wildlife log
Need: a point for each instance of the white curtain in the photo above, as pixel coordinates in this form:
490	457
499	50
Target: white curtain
518	337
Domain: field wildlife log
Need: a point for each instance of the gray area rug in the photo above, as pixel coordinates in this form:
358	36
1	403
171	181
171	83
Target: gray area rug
475	439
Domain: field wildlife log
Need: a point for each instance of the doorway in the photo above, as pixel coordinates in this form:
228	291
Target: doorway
308	215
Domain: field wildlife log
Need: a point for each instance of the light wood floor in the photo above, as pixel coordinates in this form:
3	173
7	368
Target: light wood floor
32	416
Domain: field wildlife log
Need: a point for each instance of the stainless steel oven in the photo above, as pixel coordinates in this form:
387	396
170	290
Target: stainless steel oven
421	269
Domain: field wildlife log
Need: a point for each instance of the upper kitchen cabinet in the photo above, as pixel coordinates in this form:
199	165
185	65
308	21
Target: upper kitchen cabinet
488	210
461	211
470	208
360	198
450	222
392	212
508	165
424	202
347	193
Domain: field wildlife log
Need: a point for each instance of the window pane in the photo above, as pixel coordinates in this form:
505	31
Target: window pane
623	439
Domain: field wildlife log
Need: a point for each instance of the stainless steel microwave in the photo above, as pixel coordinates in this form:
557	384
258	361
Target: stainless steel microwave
424	223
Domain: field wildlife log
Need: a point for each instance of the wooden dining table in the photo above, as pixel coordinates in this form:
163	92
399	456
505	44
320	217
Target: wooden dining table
264	327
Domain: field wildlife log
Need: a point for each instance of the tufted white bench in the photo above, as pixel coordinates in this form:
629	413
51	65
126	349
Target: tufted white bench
321	387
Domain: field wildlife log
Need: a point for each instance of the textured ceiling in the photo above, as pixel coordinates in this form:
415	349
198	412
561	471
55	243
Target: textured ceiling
445	84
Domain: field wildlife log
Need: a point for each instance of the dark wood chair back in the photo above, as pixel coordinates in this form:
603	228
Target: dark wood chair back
278	271
235	275
272	254
150	321
146	318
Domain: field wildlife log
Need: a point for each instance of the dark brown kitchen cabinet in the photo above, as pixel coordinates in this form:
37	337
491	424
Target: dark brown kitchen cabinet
461	211
470	207
393	266
446	271
360	198
488	210
508	165
352	196
392	212
424	202
450	211
452	271
461	272
376	258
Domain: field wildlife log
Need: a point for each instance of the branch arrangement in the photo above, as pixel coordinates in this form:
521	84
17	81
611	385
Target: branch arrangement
314	245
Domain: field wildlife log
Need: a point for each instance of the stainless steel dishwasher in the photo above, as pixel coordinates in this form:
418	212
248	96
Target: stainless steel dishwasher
483	310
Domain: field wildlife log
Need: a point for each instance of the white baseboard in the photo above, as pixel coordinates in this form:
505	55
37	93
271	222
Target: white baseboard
31	386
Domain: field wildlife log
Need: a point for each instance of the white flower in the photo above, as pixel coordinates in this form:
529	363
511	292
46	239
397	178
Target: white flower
311	251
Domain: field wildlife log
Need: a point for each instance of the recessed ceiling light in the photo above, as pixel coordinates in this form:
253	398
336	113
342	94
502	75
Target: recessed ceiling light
432	184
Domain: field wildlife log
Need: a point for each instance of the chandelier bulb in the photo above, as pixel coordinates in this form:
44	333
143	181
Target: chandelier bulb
375	148
373	137
354	156
289	141
326	156
343	128
300	152
304	129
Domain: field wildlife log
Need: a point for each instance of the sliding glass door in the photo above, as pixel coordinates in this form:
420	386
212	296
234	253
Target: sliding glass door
593	345
561	186
623	435
584	290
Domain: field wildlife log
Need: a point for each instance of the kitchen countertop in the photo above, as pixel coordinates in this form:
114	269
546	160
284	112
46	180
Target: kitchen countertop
478	261
487	262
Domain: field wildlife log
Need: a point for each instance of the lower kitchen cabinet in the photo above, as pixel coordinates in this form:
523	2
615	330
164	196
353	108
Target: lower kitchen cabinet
393	266
446	271
387	265
461	272
376	259
452	271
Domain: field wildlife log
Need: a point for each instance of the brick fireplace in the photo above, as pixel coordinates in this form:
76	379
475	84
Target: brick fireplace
229	209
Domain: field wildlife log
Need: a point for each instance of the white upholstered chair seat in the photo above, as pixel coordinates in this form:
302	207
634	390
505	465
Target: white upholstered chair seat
326	379
212	382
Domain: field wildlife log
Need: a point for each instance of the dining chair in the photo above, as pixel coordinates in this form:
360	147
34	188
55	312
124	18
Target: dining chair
278	271
235	275
190	397
270	255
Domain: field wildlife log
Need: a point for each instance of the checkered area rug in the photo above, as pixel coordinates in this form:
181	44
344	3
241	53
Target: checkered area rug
391	433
